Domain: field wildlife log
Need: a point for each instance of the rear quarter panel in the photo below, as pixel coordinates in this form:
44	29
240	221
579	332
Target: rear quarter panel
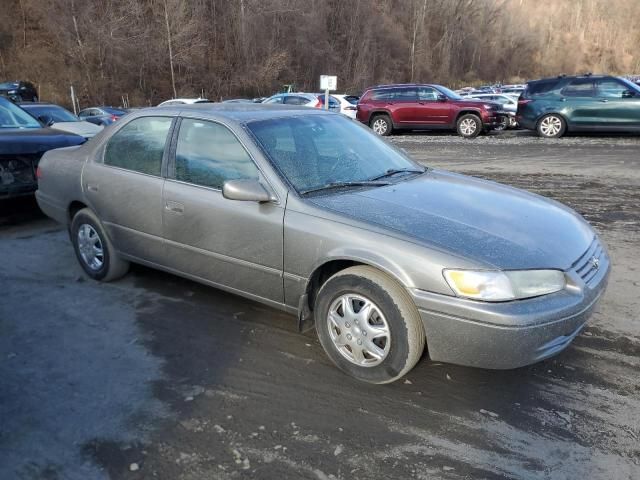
60	181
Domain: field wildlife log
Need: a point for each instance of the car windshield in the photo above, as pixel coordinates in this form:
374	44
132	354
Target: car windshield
450	93
57	114
632	86
316	151
12	116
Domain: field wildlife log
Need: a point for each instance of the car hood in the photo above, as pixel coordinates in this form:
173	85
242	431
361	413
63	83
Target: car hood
475	102
493	224
35	140
82	128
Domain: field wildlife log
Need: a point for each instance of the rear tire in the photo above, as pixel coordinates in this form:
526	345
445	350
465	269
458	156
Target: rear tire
381	125
383	339
93	248
469	126
551	126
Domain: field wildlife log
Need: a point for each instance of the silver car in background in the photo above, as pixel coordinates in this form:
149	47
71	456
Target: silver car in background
509	105
312	213
313	100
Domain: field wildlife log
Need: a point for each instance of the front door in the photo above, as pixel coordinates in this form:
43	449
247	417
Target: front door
125	189
231	243
431	110
620	104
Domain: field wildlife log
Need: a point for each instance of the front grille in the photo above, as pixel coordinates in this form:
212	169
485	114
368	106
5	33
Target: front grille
588	265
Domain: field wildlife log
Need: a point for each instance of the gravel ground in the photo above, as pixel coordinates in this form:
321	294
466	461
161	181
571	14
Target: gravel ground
154	376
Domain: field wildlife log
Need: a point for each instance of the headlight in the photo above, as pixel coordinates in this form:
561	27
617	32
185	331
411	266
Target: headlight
498	286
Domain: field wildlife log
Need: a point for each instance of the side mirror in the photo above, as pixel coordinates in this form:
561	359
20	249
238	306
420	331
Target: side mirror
246	190
442	98
628	94
46	120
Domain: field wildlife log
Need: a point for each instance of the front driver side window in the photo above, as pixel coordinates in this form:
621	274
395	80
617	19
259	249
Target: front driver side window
139	145
208	154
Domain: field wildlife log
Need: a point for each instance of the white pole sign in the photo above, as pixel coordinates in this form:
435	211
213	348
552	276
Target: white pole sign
328	82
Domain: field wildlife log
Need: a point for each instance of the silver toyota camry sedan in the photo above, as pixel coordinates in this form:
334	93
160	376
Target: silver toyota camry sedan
311	213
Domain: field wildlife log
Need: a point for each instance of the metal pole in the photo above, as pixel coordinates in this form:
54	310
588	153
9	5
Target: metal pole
73	101
326	99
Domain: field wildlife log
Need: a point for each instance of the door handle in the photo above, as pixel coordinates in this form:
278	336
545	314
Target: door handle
604	100
174	207
92	188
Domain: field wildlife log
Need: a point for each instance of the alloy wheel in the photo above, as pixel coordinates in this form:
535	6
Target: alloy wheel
550	126
380	126
468	126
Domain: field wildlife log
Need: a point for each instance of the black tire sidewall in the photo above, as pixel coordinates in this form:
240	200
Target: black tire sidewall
80	219
396	360
478	125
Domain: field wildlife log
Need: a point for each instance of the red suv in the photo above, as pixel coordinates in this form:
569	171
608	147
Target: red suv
386	108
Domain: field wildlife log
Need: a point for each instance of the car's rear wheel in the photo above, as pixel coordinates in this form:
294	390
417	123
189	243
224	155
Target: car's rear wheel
381	124
93	248
469	125
552	126
368	325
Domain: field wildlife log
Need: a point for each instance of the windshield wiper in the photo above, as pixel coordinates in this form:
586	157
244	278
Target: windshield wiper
357	183
393	171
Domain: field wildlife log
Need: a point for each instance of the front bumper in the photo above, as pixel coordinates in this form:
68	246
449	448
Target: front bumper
509	334
494	120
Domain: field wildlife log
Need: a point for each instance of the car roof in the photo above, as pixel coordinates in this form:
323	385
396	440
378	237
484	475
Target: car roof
236	112
396	85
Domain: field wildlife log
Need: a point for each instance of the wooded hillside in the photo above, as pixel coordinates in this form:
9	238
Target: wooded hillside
152	50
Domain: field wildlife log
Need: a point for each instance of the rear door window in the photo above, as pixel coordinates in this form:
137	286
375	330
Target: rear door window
209	154
139	145
580	87
407	94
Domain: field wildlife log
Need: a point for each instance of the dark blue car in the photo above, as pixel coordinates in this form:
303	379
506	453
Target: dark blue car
23	141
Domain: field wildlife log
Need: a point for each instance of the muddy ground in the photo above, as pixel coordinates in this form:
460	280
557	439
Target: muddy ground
182	381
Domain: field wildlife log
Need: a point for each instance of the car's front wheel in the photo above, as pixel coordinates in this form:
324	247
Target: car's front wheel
469	126
551	126
93	248
381	124
368	325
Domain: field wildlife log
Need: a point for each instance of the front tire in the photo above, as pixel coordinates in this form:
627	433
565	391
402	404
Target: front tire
368	325
551	126
381	124
93	248
469	126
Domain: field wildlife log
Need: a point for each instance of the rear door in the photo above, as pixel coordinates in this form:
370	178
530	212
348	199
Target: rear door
125	187
580	105
620	106
405	105
229	243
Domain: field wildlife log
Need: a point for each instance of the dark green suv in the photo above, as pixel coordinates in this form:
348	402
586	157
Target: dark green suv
600	103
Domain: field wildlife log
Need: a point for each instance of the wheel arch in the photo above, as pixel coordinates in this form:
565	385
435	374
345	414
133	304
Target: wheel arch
380	111
329	267
74	207
467	111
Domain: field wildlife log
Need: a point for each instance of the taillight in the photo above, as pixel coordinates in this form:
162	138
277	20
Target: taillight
114	118
523	101
38	173
320	103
